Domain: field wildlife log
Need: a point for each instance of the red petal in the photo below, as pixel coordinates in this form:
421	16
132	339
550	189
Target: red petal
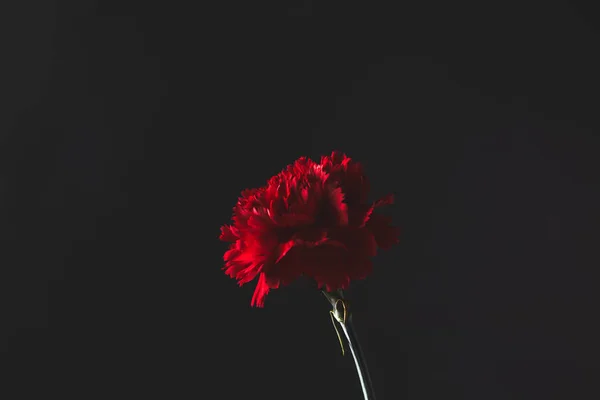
262	289
227	234
384	201
283	249
337	200
385	234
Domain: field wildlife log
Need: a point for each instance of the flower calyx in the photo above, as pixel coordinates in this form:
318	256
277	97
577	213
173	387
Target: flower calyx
339	312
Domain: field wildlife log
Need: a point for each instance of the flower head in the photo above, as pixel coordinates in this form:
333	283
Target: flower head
311	219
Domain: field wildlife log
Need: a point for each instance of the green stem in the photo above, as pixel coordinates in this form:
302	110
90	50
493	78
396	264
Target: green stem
343	316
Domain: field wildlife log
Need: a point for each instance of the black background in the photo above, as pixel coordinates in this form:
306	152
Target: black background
128	131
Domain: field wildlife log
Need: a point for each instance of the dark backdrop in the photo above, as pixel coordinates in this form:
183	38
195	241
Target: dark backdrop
128	131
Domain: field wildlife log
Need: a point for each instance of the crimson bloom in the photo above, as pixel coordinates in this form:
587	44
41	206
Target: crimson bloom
311	219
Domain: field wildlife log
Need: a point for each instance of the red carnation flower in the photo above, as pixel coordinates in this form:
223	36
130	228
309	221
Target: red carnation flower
311	219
